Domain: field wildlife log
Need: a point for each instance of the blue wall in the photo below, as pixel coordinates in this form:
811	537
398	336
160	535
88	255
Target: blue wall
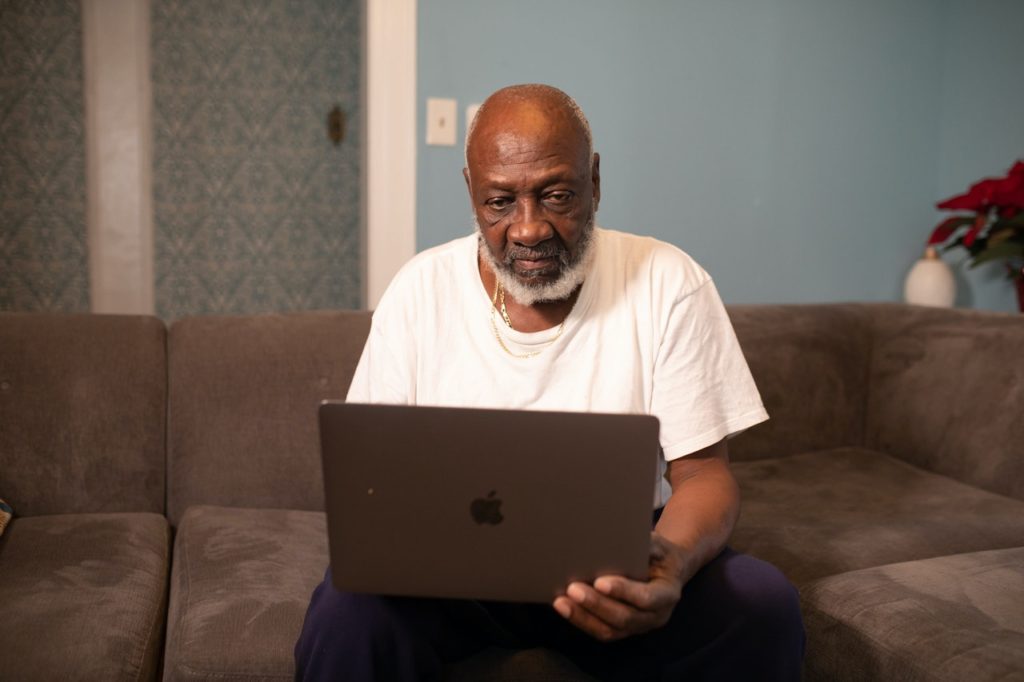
792	146
982	121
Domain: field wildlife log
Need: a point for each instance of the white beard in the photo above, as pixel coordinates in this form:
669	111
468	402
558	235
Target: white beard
572	275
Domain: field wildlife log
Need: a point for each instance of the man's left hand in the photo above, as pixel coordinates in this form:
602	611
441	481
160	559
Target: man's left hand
615	607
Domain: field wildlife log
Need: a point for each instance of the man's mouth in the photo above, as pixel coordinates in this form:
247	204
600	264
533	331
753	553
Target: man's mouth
531	264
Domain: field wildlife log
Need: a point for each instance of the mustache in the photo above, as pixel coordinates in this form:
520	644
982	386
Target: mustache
548	249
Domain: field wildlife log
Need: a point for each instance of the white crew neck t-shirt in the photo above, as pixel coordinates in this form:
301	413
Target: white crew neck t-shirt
648	334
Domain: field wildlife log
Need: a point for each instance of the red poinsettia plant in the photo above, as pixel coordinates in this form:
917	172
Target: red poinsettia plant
994	227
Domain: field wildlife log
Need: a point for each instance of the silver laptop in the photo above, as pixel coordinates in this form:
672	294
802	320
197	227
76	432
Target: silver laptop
484	504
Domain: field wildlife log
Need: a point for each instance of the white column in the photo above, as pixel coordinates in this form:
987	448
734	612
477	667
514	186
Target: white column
389	168
118	134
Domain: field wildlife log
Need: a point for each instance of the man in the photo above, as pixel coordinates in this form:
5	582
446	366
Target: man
541	309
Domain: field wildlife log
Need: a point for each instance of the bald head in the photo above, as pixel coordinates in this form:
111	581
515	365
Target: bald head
531	109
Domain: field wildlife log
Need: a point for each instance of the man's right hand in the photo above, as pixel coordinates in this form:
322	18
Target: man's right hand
615	607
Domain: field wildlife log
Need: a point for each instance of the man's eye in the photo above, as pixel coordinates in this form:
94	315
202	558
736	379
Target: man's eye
558	198
498	203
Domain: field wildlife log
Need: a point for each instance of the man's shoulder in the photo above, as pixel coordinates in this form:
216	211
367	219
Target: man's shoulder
662	263
629	245
441	260
442	254
431	274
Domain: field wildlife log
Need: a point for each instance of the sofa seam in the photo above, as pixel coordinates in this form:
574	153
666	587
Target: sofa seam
179	627
158	612
138	654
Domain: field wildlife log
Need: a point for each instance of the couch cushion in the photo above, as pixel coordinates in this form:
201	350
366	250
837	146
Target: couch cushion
823	513
947	390
950	618
810	364
240	586
244	393
82	404
83	596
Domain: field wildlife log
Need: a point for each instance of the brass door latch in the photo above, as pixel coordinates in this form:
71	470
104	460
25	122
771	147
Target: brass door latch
336	125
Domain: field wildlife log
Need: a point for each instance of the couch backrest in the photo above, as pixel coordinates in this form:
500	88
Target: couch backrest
82	407
243	404
947	393
810	365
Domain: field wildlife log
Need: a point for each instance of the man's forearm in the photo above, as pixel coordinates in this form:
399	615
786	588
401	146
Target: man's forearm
693	529
701	514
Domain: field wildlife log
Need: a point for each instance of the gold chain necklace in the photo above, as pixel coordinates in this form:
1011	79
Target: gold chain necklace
499	298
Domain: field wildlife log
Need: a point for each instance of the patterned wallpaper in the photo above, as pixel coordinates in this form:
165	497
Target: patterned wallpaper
255	209
43	238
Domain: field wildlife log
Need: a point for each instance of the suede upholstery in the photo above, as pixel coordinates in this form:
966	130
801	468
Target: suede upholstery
243	404
84	564
956	617
970	365
822	513
240	586
83	596
888	486
82	409
808	365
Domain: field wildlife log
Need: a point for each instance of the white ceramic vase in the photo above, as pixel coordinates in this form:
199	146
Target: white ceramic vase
930	282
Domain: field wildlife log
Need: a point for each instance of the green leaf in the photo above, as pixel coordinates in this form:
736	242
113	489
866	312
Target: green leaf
1006	249
999	234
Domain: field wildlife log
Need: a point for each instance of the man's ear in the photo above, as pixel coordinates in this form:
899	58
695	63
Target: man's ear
469	190
595	176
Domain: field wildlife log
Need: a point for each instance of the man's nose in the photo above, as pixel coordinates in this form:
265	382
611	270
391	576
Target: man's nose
529	225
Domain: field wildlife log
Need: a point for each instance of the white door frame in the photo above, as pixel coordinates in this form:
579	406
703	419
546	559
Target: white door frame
118	152
389	152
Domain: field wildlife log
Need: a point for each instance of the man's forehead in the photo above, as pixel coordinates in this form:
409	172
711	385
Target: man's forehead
519	133
507	177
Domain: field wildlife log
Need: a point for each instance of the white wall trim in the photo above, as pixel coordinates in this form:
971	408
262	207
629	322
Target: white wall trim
389	168
118	142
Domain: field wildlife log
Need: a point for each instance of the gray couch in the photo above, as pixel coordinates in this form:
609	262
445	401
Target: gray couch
168	495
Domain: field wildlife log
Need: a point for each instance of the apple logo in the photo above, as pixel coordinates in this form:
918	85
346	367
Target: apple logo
487	509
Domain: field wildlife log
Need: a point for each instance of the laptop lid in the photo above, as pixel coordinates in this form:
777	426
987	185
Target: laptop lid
484	504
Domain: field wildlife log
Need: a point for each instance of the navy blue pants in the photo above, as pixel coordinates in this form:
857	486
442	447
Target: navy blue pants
738	619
